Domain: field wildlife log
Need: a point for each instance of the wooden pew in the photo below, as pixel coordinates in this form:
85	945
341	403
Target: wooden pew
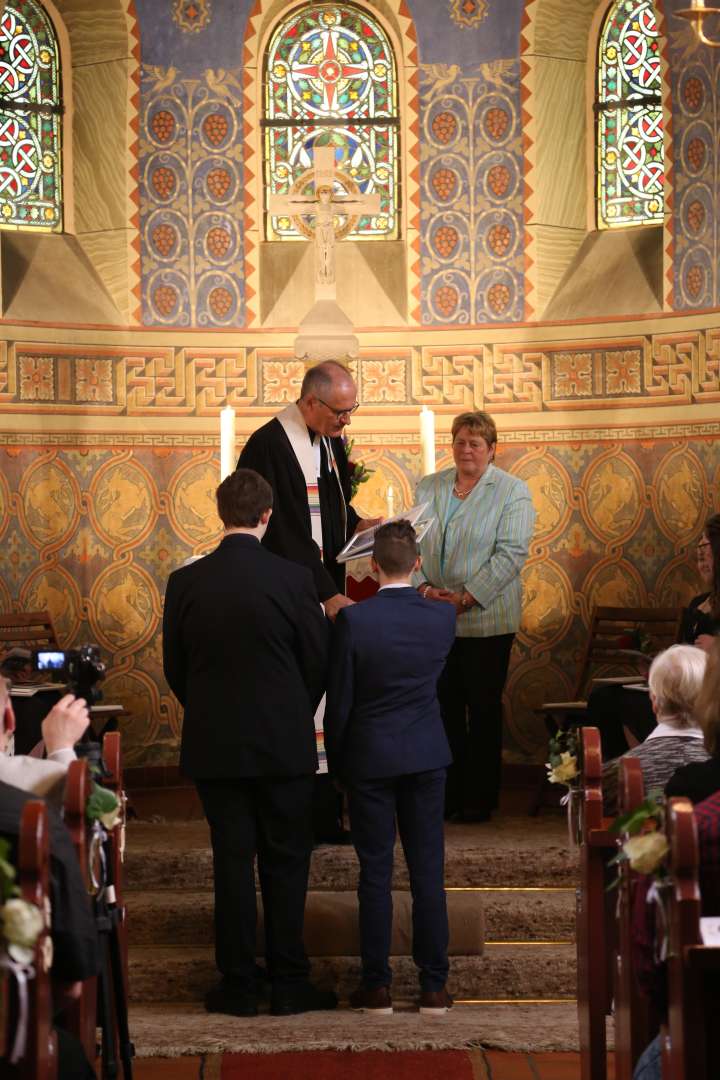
634	1026
595	939
39	1061
81	1016
693	969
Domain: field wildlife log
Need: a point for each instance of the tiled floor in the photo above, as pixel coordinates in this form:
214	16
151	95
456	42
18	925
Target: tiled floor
477	1065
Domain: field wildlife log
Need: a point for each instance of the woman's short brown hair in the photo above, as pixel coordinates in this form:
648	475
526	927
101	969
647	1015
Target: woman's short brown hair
480	423
707	707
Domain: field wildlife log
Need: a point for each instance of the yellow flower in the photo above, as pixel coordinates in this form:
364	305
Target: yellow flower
22	923
565	771
646	852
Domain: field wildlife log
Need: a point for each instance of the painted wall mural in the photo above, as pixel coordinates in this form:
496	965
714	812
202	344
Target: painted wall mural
472	191
91	533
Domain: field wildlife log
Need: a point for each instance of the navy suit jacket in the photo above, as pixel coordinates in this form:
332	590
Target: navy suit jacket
382	716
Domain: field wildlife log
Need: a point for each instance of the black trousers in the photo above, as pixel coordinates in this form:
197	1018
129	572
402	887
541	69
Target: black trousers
470	692
417	800
269	817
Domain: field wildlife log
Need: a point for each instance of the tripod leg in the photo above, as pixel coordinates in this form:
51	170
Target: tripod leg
127	1050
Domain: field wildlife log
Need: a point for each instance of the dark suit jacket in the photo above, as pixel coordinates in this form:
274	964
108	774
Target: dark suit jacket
245	653
382	716
268	451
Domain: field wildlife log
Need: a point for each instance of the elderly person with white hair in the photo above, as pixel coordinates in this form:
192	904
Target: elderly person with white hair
675	679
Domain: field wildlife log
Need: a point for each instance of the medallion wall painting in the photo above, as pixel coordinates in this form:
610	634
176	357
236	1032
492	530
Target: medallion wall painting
91	532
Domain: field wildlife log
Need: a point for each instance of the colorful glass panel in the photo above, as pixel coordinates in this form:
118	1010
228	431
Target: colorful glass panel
30	120
631	165
330	80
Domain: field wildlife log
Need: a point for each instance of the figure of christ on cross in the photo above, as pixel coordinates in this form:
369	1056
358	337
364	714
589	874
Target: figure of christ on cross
323	204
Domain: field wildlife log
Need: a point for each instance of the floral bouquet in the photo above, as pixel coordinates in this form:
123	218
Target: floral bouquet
646	846
359	473
21	922
563	753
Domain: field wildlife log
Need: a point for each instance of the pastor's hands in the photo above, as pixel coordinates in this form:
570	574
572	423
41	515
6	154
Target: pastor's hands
336	603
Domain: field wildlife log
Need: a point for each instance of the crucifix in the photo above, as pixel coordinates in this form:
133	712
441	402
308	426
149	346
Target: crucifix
323	205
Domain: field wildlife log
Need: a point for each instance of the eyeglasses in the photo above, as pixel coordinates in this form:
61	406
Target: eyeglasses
339	412
703	544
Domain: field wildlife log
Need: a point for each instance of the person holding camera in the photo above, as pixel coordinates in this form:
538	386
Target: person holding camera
245	653
64	725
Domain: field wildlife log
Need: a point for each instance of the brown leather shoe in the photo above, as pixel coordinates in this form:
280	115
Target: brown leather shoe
377	1001
435	1002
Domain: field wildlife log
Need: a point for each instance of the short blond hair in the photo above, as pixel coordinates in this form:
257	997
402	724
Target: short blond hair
707	708
675	678
480	423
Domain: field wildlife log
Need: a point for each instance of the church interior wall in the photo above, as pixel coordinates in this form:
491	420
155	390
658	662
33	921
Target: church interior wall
109	434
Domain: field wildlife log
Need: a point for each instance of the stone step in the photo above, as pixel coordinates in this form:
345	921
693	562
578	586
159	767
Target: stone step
504	972
516	852
174	917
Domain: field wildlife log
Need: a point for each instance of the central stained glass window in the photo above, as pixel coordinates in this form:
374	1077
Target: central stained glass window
631	165
331	80
30	120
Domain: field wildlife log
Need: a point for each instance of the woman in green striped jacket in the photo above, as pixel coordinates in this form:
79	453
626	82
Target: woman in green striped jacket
472	558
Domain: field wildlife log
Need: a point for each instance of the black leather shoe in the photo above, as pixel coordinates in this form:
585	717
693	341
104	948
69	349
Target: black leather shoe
225	999
301	998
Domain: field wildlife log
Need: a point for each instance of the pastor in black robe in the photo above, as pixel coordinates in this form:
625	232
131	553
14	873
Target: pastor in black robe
268	452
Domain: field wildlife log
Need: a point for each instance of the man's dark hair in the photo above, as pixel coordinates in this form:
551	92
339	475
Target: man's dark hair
320	378
242	497
395	548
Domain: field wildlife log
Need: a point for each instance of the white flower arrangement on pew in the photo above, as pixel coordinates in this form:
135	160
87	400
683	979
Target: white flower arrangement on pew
21	922
646	846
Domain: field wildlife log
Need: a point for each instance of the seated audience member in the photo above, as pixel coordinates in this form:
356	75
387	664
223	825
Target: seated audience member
675	679
385	741
74	937
701	779
612	709
63	726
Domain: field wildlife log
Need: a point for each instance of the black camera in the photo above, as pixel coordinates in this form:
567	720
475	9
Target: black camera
82	668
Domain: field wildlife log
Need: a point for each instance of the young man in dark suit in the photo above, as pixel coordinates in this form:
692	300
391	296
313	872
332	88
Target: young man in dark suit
245	653
386	743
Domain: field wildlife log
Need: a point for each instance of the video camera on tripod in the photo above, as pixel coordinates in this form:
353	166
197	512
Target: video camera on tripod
82	669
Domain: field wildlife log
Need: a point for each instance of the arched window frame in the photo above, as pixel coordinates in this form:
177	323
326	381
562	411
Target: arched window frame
67	222
377	120
605	104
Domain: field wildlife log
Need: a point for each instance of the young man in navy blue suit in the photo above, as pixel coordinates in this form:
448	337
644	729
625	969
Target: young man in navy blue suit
386	744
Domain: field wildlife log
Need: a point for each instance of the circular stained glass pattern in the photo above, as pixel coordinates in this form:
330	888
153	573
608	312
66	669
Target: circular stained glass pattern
330	80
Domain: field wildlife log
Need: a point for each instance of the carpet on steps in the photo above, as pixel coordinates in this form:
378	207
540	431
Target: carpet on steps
503	971
331	922
164	1030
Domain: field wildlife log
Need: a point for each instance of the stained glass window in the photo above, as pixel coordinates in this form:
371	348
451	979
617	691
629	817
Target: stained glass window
631	168
30	119
330	79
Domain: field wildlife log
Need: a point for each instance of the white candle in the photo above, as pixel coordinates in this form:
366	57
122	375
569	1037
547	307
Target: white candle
427	440
227	441
390	501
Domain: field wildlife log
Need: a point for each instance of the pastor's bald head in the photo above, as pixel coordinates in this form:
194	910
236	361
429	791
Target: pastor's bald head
327	397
